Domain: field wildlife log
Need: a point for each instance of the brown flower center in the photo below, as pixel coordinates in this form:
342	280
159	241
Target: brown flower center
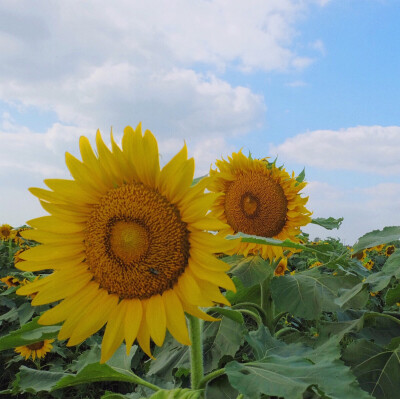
256	204
136	243
36	346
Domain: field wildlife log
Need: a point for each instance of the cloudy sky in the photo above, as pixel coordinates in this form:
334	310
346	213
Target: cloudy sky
314	82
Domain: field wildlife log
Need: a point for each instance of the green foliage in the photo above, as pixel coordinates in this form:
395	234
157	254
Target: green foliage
328	329
329	223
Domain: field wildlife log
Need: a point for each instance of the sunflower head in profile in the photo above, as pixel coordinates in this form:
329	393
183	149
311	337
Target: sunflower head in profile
37	350
11	281
129	245
258	198
281	267
389	250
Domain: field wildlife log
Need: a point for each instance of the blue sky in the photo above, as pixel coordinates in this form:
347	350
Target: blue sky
314	82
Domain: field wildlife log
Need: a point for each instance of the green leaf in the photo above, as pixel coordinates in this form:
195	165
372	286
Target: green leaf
300	178
266	241
197	179
290	376
393	295
242	294
328	223
306	294
377	369
168	357
251	270
178	393
220	388
232	314
25	312
377	237
28	334
220	339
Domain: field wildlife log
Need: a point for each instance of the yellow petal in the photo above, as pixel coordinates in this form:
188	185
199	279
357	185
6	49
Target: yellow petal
143	336
176	321
77	301
61	288
92	302
64	214
208	261
133	318
218	278
52	251
70	191
55	225
52	238
156	319
32	266
212	242
94	317
195	311
212	291
190	291
114	333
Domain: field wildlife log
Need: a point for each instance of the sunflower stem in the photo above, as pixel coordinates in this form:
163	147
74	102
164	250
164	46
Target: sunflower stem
196	352
267	304
210	377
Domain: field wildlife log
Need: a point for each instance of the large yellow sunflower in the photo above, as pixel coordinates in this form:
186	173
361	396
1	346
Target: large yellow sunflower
129	246
258	198
35	350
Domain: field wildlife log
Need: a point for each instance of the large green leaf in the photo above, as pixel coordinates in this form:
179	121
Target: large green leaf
290	376
266	241
28	334
33	381
250	270
328	223
178	393
220	339
306	294
393	295
377	369
377	237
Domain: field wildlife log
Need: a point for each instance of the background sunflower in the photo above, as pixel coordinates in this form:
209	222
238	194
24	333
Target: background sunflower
258	198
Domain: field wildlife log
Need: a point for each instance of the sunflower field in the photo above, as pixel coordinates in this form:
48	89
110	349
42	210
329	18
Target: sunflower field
143	282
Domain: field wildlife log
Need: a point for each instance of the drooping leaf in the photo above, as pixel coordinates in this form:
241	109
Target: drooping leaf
377	369
289	376
220	339
377	237
266	241
328	223
393	295
179	393
306	294
29	333
232	314
251	270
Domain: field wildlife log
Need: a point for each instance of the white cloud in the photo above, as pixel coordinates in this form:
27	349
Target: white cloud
101	62
363	209
296	83
368	149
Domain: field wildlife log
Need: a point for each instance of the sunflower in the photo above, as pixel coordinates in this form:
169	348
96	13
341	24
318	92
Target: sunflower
11	281
281	267
315	264
369	264
17	255
129	245
258	198
35	350
389	250
6	232
18	238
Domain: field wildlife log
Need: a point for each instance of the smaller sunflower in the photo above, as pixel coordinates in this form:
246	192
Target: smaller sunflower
389	250
18	237
11	281
17	255
369	264
361	256
6	232
258	198
281	267
315	264
36	350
